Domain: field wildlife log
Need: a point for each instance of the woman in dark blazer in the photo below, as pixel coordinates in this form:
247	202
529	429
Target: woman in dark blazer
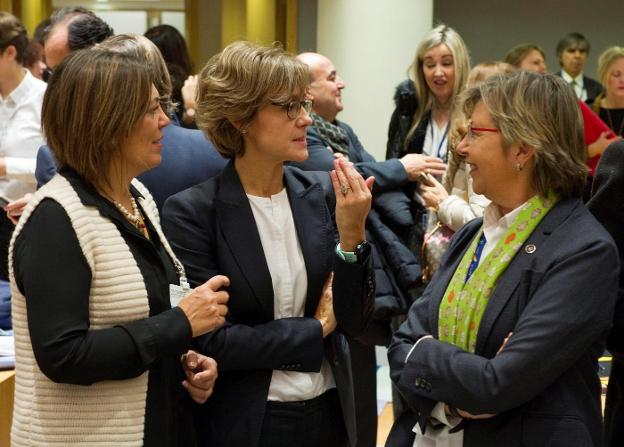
284	371
502	348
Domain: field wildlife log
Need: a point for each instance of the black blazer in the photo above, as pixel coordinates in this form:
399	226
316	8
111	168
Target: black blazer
212	230
558	301
591	86
607	205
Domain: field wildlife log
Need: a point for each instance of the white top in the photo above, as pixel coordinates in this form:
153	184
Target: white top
579	87
436	139
284	258
463	204
21	136
495	226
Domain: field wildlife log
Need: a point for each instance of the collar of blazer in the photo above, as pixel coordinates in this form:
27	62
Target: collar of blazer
313	221
525	259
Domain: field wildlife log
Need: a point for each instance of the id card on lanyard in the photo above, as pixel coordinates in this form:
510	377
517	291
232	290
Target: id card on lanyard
178	291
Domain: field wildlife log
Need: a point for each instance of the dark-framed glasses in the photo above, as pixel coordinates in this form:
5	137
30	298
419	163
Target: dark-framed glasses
294	107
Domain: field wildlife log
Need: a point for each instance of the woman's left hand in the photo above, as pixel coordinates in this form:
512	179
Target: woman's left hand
353	202
433	195
201	374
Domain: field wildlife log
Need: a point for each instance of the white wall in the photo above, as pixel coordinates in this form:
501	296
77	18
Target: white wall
372	43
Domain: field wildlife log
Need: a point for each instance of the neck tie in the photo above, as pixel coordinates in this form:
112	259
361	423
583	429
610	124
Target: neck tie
475	258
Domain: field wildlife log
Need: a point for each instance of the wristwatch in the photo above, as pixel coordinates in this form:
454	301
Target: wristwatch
362	251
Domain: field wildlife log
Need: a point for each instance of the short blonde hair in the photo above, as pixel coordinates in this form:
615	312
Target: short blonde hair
484	70
238	82
446	35
606	60
94	100
540	111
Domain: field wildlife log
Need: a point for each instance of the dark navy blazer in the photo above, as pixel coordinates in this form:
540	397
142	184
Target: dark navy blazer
389	174
188	158
557	297
212	230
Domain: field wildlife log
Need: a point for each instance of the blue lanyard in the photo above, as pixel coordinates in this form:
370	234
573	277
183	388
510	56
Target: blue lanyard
442	141
475	258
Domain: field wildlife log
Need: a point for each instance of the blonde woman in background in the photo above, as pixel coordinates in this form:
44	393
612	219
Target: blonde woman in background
453	201
421	121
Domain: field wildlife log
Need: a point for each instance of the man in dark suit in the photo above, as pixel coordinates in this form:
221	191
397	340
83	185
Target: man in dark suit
572	51
188	158
329	138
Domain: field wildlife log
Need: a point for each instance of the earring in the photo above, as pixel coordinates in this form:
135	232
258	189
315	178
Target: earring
518	167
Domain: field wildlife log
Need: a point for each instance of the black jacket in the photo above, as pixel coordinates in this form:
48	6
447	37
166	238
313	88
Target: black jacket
212	230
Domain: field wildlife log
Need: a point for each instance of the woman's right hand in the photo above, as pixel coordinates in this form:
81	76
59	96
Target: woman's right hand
325	308
416	164
205	307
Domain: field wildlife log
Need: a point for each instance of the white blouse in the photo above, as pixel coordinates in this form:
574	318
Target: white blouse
284	258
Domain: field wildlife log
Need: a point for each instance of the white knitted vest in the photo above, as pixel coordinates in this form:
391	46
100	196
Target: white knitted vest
107	413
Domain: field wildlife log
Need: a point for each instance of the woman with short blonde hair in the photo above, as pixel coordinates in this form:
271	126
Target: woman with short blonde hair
480	359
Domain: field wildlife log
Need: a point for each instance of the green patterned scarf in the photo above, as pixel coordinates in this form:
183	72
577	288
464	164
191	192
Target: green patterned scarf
464	303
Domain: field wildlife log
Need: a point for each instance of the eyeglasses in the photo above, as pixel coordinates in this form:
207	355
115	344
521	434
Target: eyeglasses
470	135
294	107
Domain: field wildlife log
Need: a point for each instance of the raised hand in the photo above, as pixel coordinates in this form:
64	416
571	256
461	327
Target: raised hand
353	202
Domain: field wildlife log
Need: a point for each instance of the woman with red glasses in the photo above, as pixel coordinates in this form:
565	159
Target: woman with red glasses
502	347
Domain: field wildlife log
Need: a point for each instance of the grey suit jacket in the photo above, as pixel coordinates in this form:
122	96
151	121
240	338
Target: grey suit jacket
212	230
558	301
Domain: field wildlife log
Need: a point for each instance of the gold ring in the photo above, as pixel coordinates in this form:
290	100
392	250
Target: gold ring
344	189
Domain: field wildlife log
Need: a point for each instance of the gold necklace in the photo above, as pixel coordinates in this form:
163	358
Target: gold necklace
619	132
135	218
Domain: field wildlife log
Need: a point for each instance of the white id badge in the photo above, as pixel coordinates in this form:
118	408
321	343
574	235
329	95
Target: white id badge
176	293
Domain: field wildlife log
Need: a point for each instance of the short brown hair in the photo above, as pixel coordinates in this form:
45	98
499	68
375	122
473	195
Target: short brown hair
238	82
144	50
94	99
517	54
540	111
12	32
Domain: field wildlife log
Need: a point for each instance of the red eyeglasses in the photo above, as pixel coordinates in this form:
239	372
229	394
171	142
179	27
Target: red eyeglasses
471	131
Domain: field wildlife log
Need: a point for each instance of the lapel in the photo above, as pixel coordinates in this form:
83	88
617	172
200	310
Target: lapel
354	155
238	226
510	279
313	224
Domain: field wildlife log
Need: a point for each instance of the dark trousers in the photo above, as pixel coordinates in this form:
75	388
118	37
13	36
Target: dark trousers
311	423
364	365
6	230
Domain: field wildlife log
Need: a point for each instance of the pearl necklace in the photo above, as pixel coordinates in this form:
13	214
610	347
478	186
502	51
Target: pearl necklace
135	218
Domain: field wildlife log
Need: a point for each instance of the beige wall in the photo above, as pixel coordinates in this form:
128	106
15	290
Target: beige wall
372	44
